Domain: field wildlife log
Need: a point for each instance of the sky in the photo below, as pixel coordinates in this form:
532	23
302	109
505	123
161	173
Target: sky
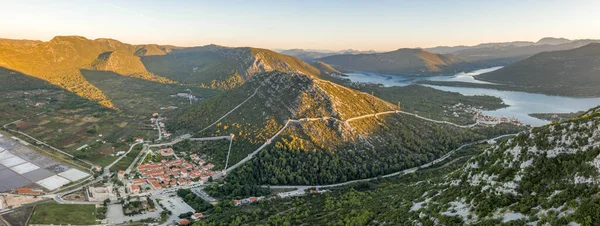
309	24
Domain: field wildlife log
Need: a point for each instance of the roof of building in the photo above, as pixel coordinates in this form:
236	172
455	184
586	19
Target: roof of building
198	215
184	222
27	191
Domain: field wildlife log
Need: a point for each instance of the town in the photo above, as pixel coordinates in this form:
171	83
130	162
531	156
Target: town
477	115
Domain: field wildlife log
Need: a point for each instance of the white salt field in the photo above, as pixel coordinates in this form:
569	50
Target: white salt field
53	182
21	166
73	174
24	168
10	162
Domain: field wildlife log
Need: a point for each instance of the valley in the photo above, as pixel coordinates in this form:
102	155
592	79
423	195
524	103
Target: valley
219	135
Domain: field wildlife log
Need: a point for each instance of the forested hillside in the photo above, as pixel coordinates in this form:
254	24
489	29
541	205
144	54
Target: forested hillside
547	175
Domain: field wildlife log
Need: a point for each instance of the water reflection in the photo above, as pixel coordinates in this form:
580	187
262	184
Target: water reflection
521	103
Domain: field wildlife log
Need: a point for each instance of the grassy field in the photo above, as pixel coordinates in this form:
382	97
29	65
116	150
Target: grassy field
54	213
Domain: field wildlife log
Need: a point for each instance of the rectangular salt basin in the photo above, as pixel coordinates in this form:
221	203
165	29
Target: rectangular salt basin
24	168
13	182
10	162
53	182
38	174
73	174
6	155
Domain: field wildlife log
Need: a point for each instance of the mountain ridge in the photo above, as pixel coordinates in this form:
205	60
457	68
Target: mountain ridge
565	68
401	61
59	60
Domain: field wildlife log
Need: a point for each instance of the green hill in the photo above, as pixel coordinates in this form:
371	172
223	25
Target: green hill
576	70
381	144
401	61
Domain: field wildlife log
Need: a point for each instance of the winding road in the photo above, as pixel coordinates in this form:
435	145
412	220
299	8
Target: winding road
287	123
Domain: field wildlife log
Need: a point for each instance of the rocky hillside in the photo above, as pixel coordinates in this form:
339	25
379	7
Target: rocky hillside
549	174
221	67
401	61
578	67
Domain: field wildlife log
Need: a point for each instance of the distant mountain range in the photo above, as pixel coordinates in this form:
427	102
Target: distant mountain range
543	41
439	60
311	55
500	54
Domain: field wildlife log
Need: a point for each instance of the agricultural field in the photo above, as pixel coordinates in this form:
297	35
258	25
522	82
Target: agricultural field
83	128
18	217
53	213
136	96
91	137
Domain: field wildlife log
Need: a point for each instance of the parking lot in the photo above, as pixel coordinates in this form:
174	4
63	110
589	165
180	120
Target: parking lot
115	215
199	192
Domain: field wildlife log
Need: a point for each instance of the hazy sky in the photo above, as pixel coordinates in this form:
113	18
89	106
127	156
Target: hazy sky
316	24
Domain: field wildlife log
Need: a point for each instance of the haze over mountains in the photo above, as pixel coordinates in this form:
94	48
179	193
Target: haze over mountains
437	60
507	52
310	55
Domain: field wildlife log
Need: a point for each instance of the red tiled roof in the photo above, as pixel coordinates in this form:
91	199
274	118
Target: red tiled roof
198	215
156	184
27	191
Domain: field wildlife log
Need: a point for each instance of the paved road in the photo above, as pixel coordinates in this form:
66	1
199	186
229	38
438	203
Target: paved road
177	140
159	131
287	123
402	172
143	152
